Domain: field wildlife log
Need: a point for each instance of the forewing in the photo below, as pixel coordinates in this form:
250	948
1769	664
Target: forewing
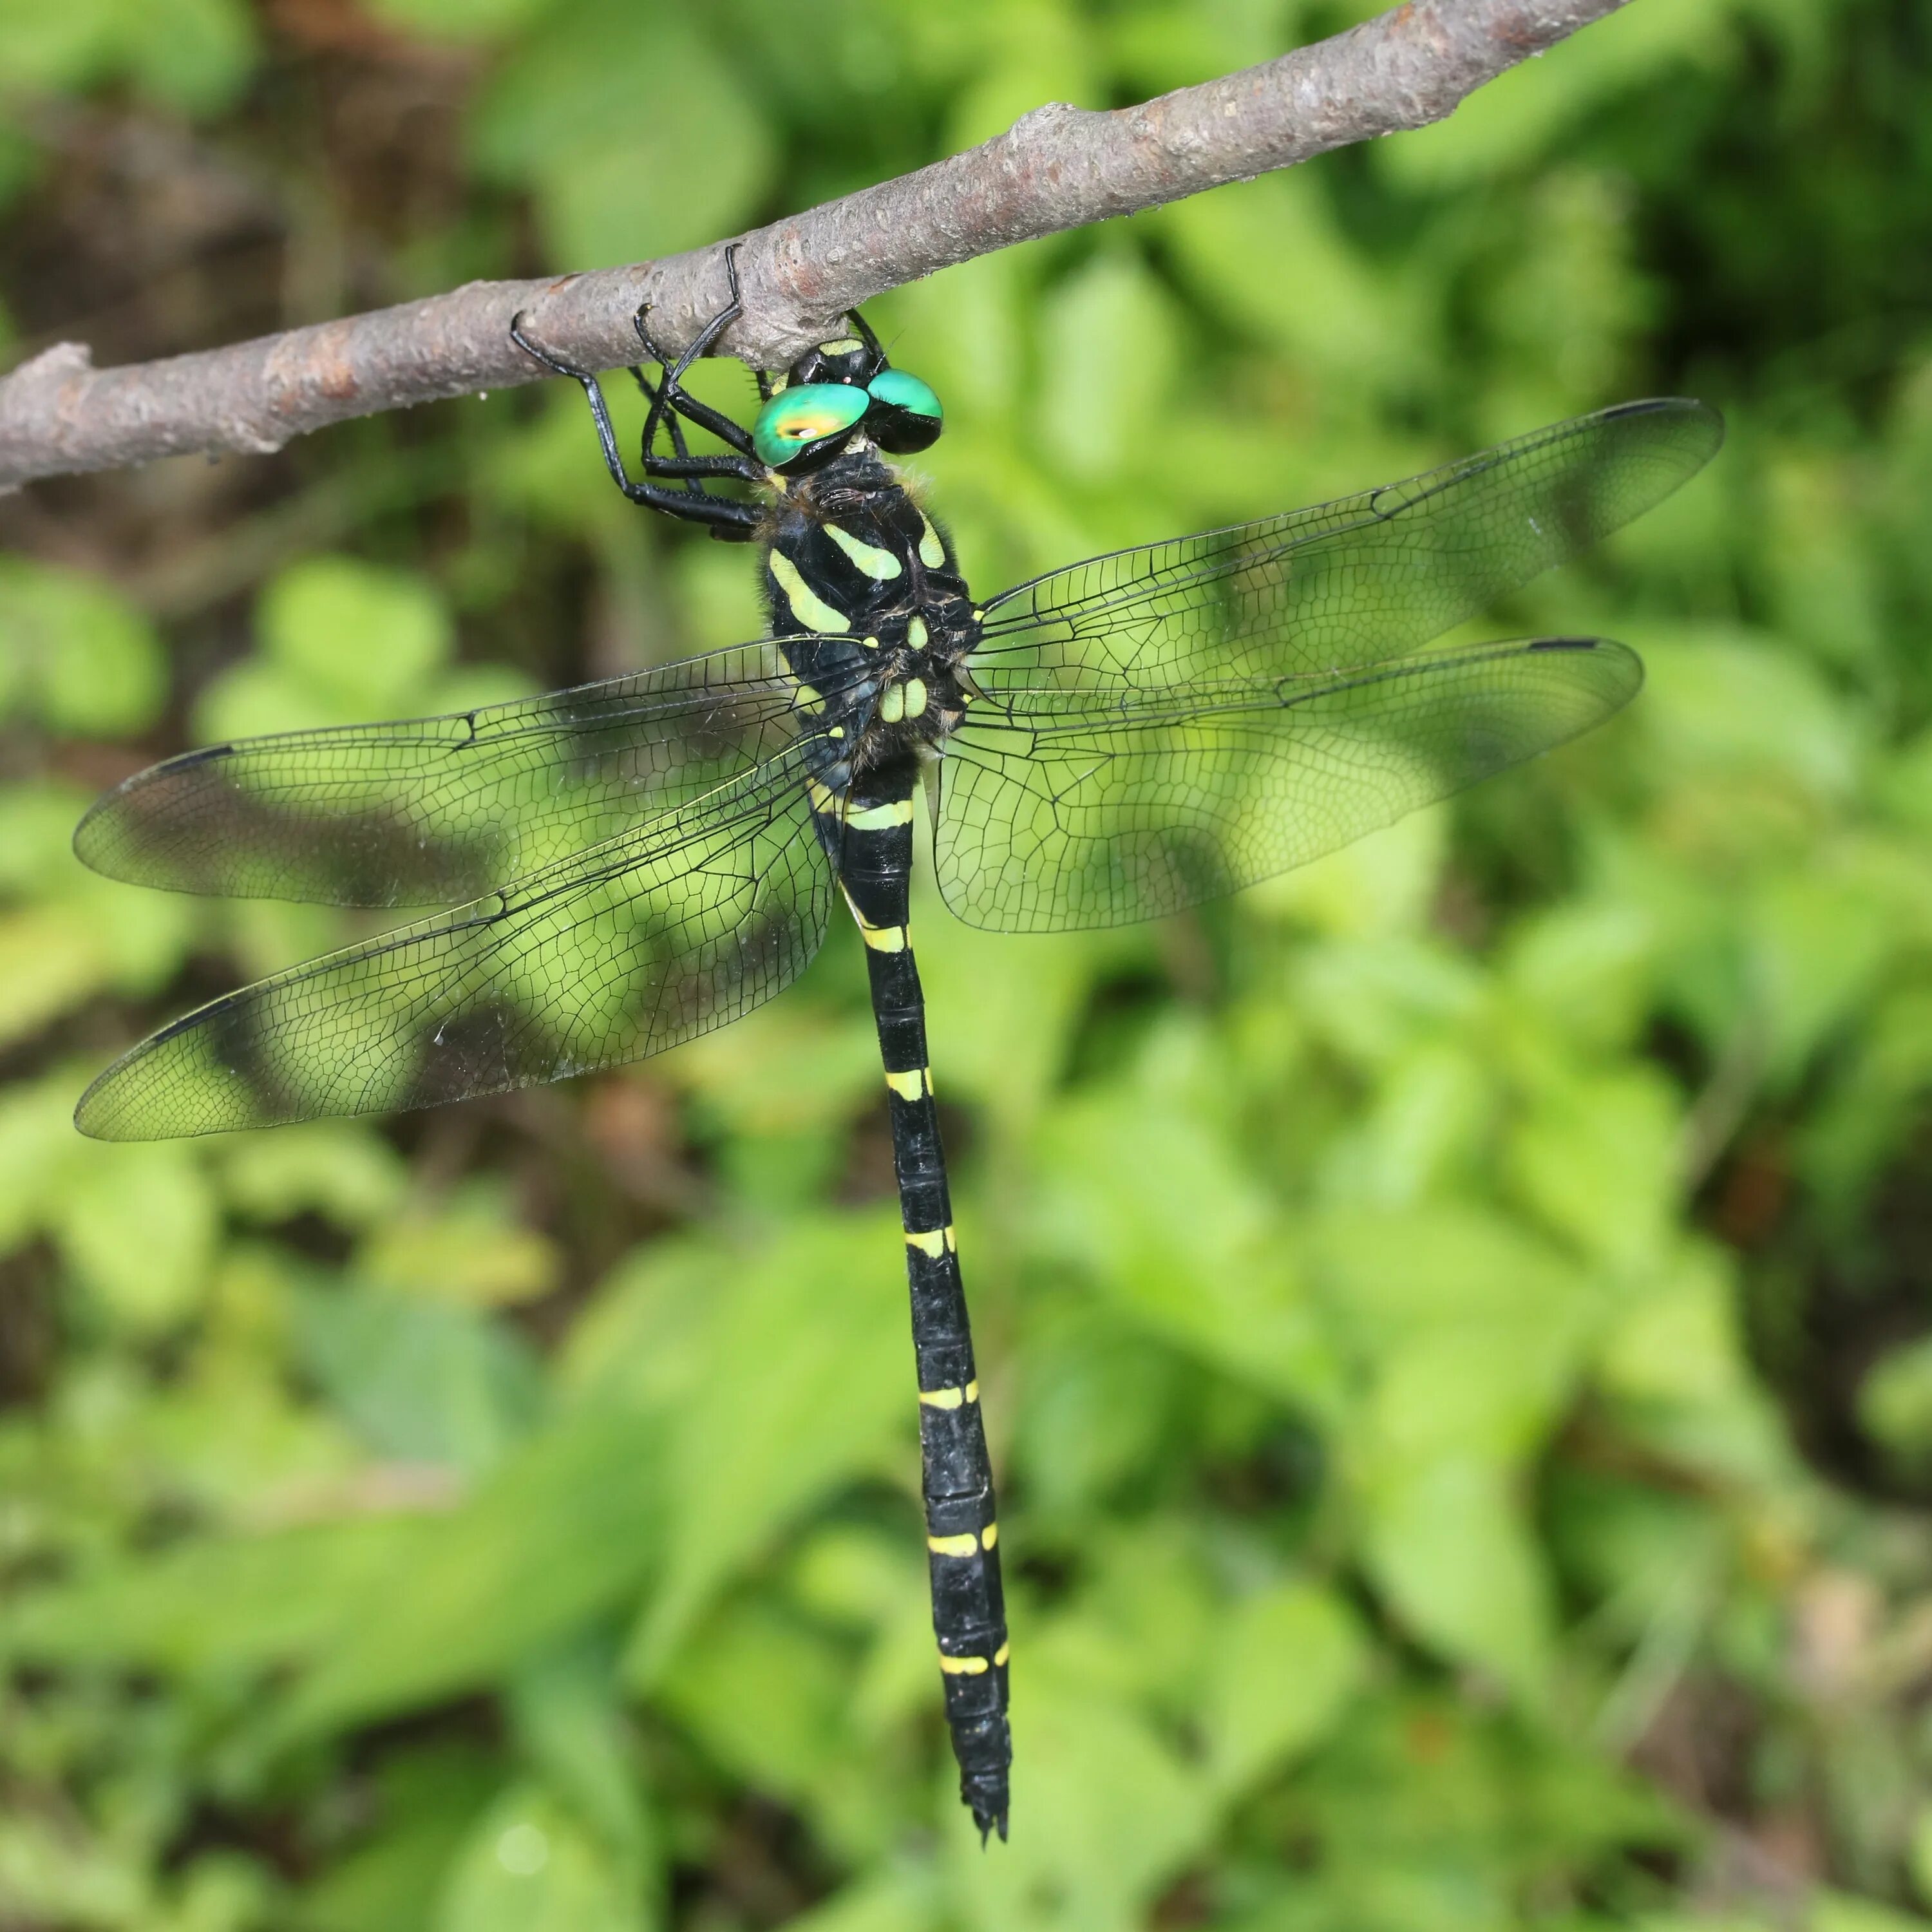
1072	814
1156	726
650	938
1330	589
431	810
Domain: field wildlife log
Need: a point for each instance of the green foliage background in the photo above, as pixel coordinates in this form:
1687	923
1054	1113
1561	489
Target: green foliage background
1453	1320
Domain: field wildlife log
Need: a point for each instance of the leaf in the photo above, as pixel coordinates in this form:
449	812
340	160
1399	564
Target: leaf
766	1696
74	654
1397	1279
564	1706
1517	116
561	1531
1110	345
341	641
138	1225
1447	1543
1840	1912
37	1148
1286	1664
1821	945
428	1800
460	20
805	1382
473	1250
419	1382
1726	703
1596	1157
530	1866
193	55
895	1901
612	173
232	1603
339	1169
1141	1189
1334	308
51	960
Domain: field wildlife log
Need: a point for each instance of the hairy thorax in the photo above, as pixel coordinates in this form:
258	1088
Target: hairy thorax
868	604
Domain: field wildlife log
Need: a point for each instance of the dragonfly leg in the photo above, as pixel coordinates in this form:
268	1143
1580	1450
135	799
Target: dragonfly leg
671	395
746	469
726	517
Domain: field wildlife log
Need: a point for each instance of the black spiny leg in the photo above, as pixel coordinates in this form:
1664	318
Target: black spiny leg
738	521
671	395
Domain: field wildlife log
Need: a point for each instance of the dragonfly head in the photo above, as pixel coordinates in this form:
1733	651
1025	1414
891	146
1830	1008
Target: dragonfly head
841	388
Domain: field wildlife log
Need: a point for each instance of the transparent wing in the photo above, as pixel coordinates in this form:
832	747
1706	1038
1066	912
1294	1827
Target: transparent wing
650	938
1063	818
1163	725
431	811
1333	588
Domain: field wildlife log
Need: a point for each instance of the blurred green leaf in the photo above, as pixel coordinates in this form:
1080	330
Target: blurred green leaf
428	1803
419	1381
1284	1668
1448	1542
530	1867
192	54
341	641
74	656
1509	123
343	1170
469	1249
1598	1159
460	19
559	1533
801	1385
610	170
1111	342
1839	1912
138	1225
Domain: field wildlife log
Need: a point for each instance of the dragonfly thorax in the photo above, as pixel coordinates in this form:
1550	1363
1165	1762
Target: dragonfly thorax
869	606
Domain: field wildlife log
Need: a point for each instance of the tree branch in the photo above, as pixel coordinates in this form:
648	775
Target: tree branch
1057	168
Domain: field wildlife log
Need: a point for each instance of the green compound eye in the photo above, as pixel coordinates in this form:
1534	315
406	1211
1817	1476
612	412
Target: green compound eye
905	391
794	419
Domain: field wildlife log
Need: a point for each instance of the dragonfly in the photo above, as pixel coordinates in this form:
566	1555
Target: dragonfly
629	864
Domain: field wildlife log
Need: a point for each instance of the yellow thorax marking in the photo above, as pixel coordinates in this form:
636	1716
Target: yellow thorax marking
809	699
915	697
869	558
962	1666
931	551
892	703
807	606
915	633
